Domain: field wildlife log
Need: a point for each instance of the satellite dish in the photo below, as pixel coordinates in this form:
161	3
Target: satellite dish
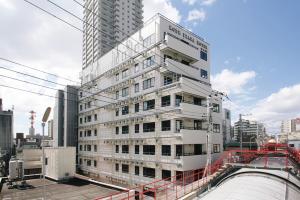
46	114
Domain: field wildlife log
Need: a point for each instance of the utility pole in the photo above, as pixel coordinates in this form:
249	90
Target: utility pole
208	137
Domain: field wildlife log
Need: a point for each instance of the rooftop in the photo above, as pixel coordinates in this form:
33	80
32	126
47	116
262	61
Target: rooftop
76	189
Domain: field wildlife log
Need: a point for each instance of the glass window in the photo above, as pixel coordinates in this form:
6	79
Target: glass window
149	149
125	168
148	83
149	61
216	148
149	127
117	130
117	112
137	128
125	129
149	172
125	149
125	73
137	170
216	128
95	148
117	76
203	55
166	174
136	67
216	107
136	87
117	148
125	110
168	80
95	132
166	125
95	163
150	104
136	107
117	94
125	92
166	150
117	167
166	101
203	73
136	149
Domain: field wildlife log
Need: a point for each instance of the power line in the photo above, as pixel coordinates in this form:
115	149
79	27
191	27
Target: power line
35	69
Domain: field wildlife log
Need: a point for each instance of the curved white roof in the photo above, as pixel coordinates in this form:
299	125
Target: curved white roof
258	184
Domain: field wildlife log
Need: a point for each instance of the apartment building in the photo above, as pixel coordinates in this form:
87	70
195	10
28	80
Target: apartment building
227	133
6	130
107	22
143	107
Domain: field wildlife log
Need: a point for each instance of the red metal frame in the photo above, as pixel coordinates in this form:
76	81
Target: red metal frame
179	185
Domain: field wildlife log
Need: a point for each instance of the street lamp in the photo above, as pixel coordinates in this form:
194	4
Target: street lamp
253	137
44	120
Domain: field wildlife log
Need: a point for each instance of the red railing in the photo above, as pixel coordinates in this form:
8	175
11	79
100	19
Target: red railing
179	185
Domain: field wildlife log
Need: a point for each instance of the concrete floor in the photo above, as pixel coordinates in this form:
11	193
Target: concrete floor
74	190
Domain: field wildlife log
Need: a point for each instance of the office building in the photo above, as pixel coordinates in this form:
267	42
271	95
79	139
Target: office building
6	130
290	126
252	131
227	136
143	110
65	117
50	128
108	22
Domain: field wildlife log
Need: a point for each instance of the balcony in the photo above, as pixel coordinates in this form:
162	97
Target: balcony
181	47
180	68
192	110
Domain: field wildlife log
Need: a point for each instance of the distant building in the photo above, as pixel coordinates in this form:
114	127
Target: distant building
65	117
252	131
226	126
290	126
6	130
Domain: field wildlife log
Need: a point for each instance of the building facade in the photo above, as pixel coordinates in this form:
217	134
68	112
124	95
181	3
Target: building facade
50	128
252	131
108	21
143	107
6	130
227	136
65	118
290	126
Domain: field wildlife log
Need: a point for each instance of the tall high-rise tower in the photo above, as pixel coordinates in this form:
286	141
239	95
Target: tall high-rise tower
108	23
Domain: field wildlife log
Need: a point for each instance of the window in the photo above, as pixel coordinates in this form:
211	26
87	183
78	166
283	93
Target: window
216	128
117	94
89	133
136	87
80	94
136	149
149	40
167	80
197	149
137	128
166	125
80	134
80	107
117	76
148	83
125	168
149	127
166	150
117	167
165	174
136	107
203	55
136	67
125	129
125	73
46	161
117	112
95	163
125	149
117	130
88	147
125	110
150	104
197	101
216	107
89	104
80	161
149	62
80	120
203	73
117	148
95	148
227	115
166	101
137	170
95	132
88	162
80	147
178	100
148	172
89	118
149	149
216	148
125	92
95	117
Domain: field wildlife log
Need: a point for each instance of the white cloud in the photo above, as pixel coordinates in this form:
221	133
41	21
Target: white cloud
196	15
190	2
278	106
208	2
232	82
164	7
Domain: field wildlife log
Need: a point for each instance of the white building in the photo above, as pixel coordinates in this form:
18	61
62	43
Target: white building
226	126
107	23
290	126
60	162
147	117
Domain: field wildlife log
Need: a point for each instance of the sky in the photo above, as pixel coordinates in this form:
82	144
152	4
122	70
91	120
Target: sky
254	44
